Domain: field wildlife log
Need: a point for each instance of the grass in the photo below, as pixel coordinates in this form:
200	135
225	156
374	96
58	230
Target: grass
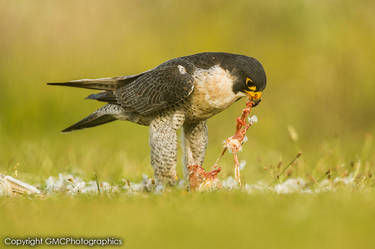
318	57
207	220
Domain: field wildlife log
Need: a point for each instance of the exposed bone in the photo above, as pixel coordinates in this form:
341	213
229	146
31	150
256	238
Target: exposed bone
199	179
12	187
234	143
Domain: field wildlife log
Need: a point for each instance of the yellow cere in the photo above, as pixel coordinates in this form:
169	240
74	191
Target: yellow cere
254	95
252	88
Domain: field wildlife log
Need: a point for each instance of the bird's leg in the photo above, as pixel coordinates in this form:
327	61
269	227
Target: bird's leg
195	139
163	142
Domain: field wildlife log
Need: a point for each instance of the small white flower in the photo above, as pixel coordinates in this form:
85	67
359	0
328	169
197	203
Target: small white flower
253	119
345	180
159	189
290	186
91	187
105	187
229	183
136	187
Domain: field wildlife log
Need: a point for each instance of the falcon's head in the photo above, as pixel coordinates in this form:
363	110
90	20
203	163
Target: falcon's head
250	76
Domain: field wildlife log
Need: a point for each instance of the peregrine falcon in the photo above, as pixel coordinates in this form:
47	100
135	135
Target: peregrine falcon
179	93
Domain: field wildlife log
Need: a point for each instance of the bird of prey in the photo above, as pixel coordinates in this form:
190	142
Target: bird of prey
179	93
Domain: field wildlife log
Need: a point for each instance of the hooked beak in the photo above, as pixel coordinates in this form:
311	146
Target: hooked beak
255	97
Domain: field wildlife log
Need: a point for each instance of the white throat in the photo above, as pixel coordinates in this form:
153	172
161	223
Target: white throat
214	87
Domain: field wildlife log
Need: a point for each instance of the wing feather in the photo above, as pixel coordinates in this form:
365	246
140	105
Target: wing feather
158	89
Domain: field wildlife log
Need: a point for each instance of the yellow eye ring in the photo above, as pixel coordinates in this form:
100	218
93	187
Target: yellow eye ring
250	84
249	80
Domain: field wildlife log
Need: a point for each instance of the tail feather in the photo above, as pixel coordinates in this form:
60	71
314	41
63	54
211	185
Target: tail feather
106	96
98	84
108	84
103	115
90	121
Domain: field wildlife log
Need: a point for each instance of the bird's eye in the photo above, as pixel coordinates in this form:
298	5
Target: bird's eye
249	81
250	84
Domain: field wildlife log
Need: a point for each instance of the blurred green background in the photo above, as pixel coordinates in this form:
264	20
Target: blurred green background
318	55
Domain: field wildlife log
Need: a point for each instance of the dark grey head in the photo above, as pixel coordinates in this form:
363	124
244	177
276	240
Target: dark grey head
249	73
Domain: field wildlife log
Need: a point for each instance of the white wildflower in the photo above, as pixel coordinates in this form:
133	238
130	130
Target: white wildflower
290	186
159	189
345	180
105	187
75	185
229	183
324	186
136	187
253	119
91	187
